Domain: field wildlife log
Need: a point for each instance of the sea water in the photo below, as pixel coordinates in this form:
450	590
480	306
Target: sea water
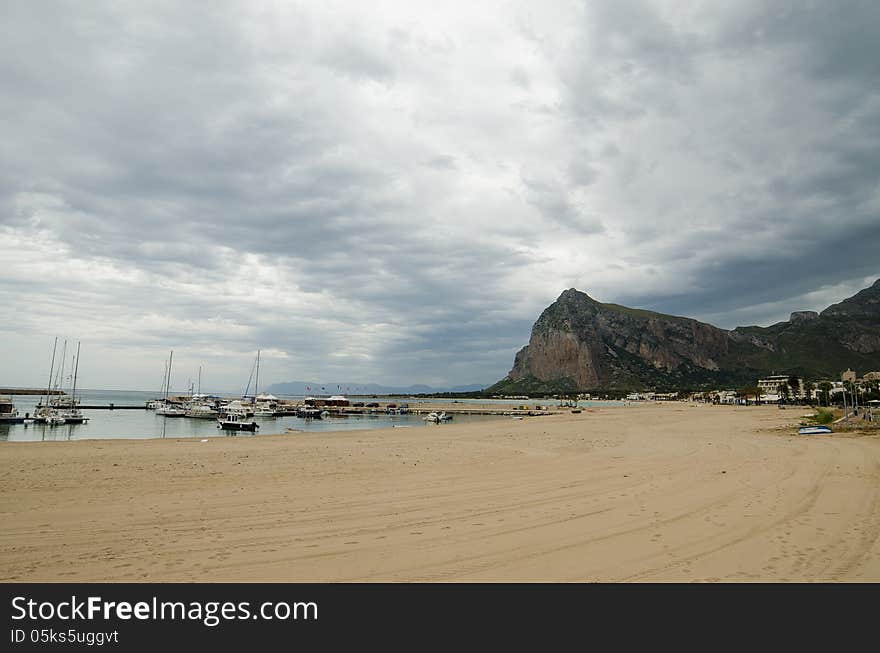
141	423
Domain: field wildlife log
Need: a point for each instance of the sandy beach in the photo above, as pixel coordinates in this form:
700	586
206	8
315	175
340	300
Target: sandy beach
669	492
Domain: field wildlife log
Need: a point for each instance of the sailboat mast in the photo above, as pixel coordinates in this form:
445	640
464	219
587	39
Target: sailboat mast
59	376
200	379
51	370
168	381
164	379
257	381
75	372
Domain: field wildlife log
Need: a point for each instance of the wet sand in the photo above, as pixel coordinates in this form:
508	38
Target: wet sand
659	492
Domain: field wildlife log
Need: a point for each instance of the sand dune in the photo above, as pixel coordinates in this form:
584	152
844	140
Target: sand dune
648	493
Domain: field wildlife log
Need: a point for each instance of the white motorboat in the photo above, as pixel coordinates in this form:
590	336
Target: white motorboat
171	410
264	410
432	417
309	412
202	411
9	413
73	416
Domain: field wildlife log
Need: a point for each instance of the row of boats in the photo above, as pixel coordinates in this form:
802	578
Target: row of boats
59	408
235	415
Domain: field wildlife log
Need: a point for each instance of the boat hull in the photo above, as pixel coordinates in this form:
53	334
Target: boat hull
238	426
814	430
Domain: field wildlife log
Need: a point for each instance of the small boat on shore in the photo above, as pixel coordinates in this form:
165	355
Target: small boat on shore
814	430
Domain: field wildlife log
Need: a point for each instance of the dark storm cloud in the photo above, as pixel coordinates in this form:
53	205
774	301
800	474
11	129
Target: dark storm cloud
395	193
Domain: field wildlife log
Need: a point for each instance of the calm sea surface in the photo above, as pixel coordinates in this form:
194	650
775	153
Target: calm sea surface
109	424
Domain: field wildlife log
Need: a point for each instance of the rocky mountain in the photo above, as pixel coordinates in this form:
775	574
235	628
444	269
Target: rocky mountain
579	343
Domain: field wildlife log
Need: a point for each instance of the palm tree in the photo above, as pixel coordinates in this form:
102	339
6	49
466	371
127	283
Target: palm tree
750	391
783	391
825	389
809	386
795	384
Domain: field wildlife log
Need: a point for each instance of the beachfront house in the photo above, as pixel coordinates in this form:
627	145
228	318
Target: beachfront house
769	387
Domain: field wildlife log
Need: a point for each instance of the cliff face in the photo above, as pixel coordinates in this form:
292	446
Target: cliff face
579	343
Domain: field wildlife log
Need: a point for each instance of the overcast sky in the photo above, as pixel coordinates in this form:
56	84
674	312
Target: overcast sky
392	192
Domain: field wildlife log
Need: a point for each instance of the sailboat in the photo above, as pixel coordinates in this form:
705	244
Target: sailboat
60	408
201	406
158	403
168	409
69	409
43	412
261	404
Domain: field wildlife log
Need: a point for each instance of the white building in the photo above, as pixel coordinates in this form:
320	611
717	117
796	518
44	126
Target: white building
770	386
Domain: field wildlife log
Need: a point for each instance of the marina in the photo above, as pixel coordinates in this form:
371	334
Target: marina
124	415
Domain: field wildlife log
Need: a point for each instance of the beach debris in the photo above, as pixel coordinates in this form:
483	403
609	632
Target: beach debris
205	440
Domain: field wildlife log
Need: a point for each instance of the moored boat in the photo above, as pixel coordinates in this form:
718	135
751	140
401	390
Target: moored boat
171	410
309	412
202	411
9	413
235	420
60	408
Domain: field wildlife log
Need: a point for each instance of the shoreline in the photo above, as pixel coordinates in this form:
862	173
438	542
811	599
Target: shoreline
659	492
